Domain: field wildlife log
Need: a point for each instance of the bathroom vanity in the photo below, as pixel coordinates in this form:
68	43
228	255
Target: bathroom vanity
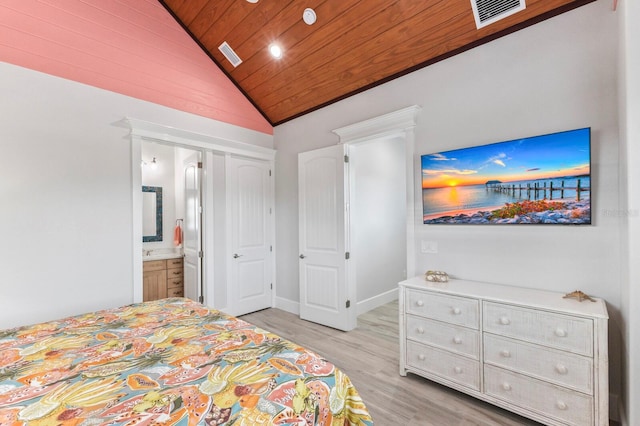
163	278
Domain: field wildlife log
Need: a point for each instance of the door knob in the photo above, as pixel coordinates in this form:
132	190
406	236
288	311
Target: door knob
236	255
302	256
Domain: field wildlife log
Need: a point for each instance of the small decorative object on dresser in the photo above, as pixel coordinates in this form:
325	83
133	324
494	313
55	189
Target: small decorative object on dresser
532	352
580	296
436	276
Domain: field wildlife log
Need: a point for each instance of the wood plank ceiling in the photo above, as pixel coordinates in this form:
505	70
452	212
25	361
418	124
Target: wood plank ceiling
353	46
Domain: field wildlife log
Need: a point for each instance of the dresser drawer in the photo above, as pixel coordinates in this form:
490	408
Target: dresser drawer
571	407
447	336
554	330
174	263
154	265
175	282
175	273
562	368
451	309
452	367
175	292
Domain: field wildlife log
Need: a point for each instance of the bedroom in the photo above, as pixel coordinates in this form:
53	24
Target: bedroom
65	217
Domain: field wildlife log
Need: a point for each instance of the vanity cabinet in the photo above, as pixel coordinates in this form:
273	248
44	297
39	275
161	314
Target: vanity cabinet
175	278
163	278
529	351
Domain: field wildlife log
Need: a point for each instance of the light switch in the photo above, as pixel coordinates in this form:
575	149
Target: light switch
429	247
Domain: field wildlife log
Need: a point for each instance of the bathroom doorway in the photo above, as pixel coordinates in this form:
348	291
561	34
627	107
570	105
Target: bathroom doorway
175	172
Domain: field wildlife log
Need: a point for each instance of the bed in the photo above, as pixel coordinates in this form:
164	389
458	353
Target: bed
167	362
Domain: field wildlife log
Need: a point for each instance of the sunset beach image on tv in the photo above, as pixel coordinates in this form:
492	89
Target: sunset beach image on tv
535	180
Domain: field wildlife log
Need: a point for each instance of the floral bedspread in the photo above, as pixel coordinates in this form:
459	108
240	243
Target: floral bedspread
167	362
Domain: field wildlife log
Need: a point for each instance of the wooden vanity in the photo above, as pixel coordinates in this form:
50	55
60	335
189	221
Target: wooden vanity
163	278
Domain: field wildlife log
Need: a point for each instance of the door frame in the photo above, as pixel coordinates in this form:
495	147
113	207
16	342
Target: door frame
145	131
400	124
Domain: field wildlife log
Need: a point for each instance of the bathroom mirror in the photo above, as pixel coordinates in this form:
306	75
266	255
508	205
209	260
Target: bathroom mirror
151	213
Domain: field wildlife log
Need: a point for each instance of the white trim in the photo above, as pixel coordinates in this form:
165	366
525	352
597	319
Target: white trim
272	234
158	133
136	201
413	193
231	290
375	301
379	127
288	305
208	229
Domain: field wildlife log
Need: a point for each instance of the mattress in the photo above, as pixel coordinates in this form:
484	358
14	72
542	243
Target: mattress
168	362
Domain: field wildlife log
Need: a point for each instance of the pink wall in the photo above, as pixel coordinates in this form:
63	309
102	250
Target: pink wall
132	47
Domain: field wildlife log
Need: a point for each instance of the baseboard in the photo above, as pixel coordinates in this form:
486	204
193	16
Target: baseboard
288	305
375	301
362	307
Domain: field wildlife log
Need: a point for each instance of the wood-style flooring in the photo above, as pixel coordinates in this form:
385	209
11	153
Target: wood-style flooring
369	356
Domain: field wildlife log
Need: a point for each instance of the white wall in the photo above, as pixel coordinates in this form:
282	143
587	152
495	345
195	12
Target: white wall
219	232
66	193
379	215
557	75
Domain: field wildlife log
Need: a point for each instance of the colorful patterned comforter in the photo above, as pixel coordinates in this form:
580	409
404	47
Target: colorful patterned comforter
167	362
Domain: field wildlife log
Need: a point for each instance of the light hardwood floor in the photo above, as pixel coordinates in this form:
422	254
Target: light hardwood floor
369	356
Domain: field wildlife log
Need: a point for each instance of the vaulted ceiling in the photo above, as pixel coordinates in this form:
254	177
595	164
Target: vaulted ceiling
353	45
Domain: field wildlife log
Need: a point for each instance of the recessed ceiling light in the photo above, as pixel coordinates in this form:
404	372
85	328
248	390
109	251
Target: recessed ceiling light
252	1
276	51
309	16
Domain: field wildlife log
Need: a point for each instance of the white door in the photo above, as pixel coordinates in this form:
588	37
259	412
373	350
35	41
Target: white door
192	231
323	193
249	192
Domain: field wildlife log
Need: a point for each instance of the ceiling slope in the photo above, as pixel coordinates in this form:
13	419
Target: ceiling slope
353	46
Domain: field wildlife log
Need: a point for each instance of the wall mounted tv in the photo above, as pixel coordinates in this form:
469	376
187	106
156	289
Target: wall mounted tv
535	180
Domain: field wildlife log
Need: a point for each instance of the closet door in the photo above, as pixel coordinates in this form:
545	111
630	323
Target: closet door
250	257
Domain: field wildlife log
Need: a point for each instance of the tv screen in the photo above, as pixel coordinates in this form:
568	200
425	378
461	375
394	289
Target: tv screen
535	180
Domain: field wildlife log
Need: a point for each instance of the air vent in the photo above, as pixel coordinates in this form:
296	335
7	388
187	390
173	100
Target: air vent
228	53
489	11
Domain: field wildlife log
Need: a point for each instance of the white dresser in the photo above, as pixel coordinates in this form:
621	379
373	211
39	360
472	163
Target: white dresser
528	351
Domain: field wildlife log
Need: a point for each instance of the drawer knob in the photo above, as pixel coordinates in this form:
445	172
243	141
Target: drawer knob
561	405
562	369
421	357
560	332
458	370
505	353
457	340
420	330
420	303
506	386
457	311
505	321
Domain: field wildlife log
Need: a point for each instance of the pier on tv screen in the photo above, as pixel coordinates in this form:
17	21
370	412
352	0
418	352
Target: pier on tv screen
534	180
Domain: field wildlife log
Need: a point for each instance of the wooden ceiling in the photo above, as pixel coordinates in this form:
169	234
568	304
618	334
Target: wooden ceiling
353	46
